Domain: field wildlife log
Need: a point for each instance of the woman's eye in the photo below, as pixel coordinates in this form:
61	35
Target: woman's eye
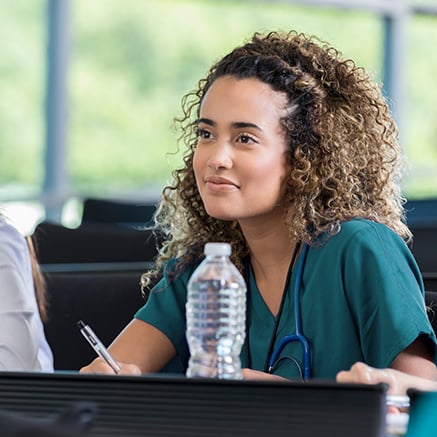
246	139
204	134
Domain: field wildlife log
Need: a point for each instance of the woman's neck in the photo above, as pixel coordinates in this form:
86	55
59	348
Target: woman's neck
268	240
271	251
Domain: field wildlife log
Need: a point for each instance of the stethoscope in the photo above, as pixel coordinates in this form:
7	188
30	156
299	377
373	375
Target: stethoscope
298	336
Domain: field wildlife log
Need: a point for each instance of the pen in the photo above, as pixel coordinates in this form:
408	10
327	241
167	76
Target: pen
97	345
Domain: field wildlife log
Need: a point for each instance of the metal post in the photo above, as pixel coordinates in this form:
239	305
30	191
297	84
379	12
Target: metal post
55	180
395	52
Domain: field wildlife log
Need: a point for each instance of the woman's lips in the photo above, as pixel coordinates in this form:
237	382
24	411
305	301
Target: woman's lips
219	184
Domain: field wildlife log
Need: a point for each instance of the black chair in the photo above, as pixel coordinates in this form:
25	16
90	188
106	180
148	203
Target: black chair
132	214
103	243
92	273
105	300
431	304
424	247
422	220
421	212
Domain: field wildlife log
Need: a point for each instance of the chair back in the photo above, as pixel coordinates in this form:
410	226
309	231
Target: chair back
431	307
56	244
132	214
106	300
92	273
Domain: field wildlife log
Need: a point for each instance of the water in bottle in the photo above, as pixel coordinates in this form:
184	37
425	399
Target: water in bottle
216	313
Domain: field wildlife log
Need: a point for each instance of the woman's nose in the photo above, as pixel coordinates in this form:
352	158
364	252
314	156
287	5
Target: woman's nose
220	157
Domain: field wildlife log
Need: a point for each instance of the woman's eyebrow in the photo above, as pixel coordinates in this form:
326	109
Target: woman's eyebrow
245	124
234	125
206	121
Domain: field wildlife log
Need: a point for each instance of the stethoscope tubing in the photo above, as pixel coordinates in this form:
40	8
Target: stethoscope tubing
298	336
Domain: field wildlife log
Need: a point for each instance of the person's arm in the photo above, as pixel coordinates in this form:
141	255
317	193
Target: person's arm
398	382
417	359
19	334
412	368
139	348
157	333
259	375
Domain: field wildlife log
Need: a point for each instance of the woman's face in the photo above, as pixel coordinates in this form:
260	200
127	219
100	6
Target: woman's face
239	162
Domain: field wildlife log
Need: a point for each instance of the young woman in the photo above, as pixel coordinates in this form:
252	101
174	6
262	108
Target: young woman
291	153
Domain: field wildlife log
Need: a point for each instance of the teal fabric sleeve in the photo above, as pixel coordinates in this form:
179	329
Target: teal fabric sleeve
165	310
362	298
388	301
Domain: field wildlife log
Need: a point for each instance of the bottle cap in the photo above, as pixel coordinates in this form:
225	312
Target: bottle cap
223	249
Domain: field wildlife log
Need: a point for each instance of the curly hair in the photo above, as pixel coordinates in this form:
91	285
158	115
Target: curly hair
343	153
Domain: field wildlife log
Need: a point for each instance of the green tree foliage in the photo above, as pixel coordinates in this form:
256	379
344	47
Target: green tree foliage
21	91
132	61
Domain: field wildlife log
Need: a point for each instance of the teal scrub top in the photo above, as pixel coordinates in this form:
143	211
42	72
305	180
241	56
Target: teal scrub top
361	299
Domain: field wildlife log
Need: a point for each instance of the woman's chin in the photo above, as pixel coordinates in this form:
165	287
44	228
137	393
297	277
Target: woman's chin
220	215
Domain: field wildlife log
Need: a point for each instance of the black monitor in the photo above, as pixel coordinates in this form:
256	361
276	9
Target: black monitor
177	406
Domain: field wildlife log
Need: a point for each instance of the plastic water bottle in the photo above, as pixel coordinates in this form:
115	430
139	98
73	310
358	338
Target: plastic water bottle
216	314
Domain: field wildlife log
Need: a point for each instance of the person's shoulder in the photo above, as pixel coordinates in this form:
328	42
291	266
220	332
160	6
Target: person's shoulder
363	232
177	268
7	229
360	225
175	273
12	241
15	262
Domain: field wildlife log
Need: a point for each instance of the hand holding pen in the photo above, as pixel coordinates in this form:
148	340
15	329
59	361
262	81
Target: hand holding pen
98	346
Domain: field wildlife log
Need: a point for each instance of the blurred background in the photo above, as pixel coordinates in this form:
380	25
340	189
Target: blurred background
89	89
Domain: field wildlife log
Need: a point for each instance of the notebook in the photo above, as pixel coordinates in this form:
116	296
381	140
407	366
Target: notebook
163	405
